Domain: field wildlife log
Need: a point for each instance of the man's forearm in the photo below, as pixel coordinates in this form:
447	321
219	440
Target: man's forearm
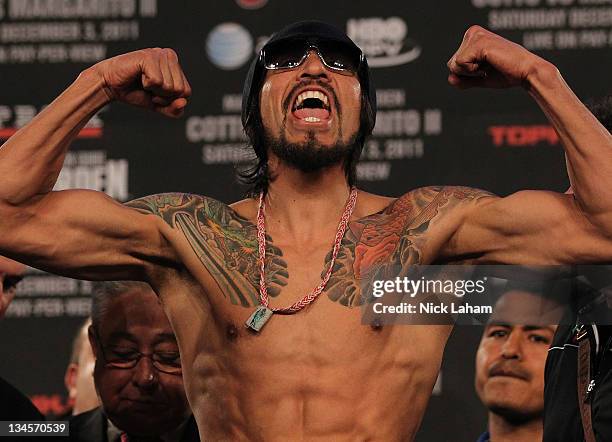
588	145
31	160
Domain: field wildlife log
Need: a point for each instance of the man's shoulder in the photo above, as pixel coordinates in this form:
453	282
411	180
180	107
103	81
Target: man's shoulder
434	197
427	194
158	202
170	205
425	207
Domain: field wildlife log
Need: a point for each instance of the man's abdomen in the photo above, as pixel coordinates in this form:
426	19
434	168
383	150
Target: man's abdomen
316	376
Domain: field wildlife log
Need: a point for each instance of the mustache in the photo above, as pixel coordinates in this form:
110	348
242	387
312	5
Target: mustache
310	82
509	368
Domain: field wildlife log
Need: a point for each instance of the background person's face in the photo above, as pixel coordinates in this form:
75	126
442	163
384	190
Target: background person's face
79	376
278	96
510	369
140	400
86	397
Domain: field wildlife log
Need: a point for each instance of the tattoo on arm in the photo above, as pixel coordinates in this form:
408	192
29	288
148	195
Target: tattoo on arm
225	243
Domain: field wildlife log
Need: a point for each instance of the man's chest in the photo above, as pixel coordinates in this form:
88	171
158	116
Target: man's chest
369	250
220	249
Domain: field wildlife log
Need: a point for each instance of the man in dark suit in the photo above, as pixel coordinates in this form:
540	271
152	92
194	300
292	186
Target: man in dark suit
138	373
94	426
14	405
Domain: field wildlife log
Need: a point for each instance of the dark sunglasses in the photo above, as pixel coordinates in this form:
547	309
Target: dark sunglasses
10	281
289	54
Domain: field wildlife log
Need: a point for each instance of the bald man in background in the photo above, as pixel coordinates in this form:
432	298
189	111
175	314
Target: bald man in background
78	378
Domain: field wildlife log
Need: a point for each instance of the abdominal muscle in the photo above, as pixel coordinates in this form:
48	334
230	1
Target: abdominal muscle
316	375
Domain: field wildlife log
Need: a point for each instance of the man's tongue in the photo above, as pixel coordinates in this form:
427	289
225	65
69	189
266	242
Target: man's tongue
306	112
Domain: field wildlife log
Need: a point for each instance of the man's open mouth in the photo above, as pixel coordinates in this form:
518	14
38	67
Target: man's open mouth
311	106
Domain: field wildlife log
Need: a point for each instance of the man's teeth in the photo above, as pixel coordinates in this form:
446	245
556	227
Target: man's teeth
312	119
312	94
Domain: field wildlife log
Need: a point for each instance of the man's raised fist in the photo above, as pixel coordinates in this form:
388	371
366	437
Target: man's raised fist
149	78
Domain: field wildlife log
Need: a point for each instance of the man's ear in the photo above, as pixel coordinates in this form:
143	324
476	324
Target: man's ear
70	380
91	335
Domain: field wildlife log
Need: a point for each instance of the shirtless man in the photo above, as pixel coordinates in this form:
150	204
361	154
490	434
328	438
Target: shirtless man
317	374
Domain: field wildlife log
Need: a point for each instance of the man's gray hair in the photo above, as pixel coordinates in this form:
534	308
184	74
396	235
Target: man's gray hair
106	290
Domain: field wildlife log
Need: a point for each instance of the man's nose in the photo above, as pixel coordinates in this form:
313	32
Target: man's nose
313	66
145	374
512	348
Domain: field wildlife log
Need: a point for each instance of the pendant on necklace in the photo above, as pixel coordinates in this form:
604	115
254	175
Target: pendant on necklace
259	318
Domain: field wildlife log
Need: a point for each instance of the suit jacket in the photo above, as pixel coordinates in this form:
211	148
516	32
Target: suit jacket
92	426
15	406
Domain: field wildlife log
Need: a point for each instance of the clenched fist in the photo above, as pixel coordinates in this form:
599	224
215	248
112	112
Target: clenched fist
149	78
485	59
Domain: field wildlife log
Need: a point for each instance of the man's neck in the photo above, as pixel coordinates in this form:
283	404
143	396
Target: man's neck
298	204
501	430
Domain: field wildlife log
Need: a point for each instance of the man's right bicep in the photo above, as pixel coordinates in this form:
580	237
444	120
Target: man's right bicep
86	234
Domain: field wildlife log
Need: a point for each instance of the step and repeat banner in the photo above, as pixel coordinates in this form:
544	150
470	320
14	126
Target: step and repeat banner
426	133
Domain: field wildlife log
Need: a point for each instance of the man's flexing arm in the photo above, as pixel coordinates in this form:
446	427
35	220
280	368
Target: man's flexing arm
536	227
84	233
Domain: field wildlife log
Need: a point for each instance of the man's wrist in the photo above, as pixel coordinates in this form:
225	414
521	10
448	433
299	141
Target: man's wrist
542	75
91	80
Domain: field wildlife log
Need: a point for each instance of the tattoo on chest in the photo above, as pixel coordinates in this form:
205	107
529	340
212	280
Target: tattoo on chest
386	244
373	247
225	243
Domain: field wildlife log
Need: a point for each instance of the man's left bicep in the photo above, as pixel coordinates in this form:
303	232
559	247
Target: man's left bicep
532	227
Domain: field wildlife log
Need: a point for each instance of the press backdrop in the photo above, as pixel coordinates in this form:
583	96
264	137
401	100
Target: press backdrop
427	133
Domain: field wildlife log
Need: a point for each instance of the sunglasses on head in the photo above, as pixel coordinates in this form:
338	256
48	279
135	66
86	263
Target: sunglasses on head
10	281
289	54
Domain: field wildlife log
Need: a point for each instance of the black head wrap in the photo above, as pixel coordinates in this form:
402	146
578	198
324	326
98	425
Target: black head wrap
314	31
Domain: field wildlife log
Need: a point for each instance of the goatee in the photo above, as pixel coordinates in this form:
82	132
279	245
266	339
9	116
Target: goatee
310	156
